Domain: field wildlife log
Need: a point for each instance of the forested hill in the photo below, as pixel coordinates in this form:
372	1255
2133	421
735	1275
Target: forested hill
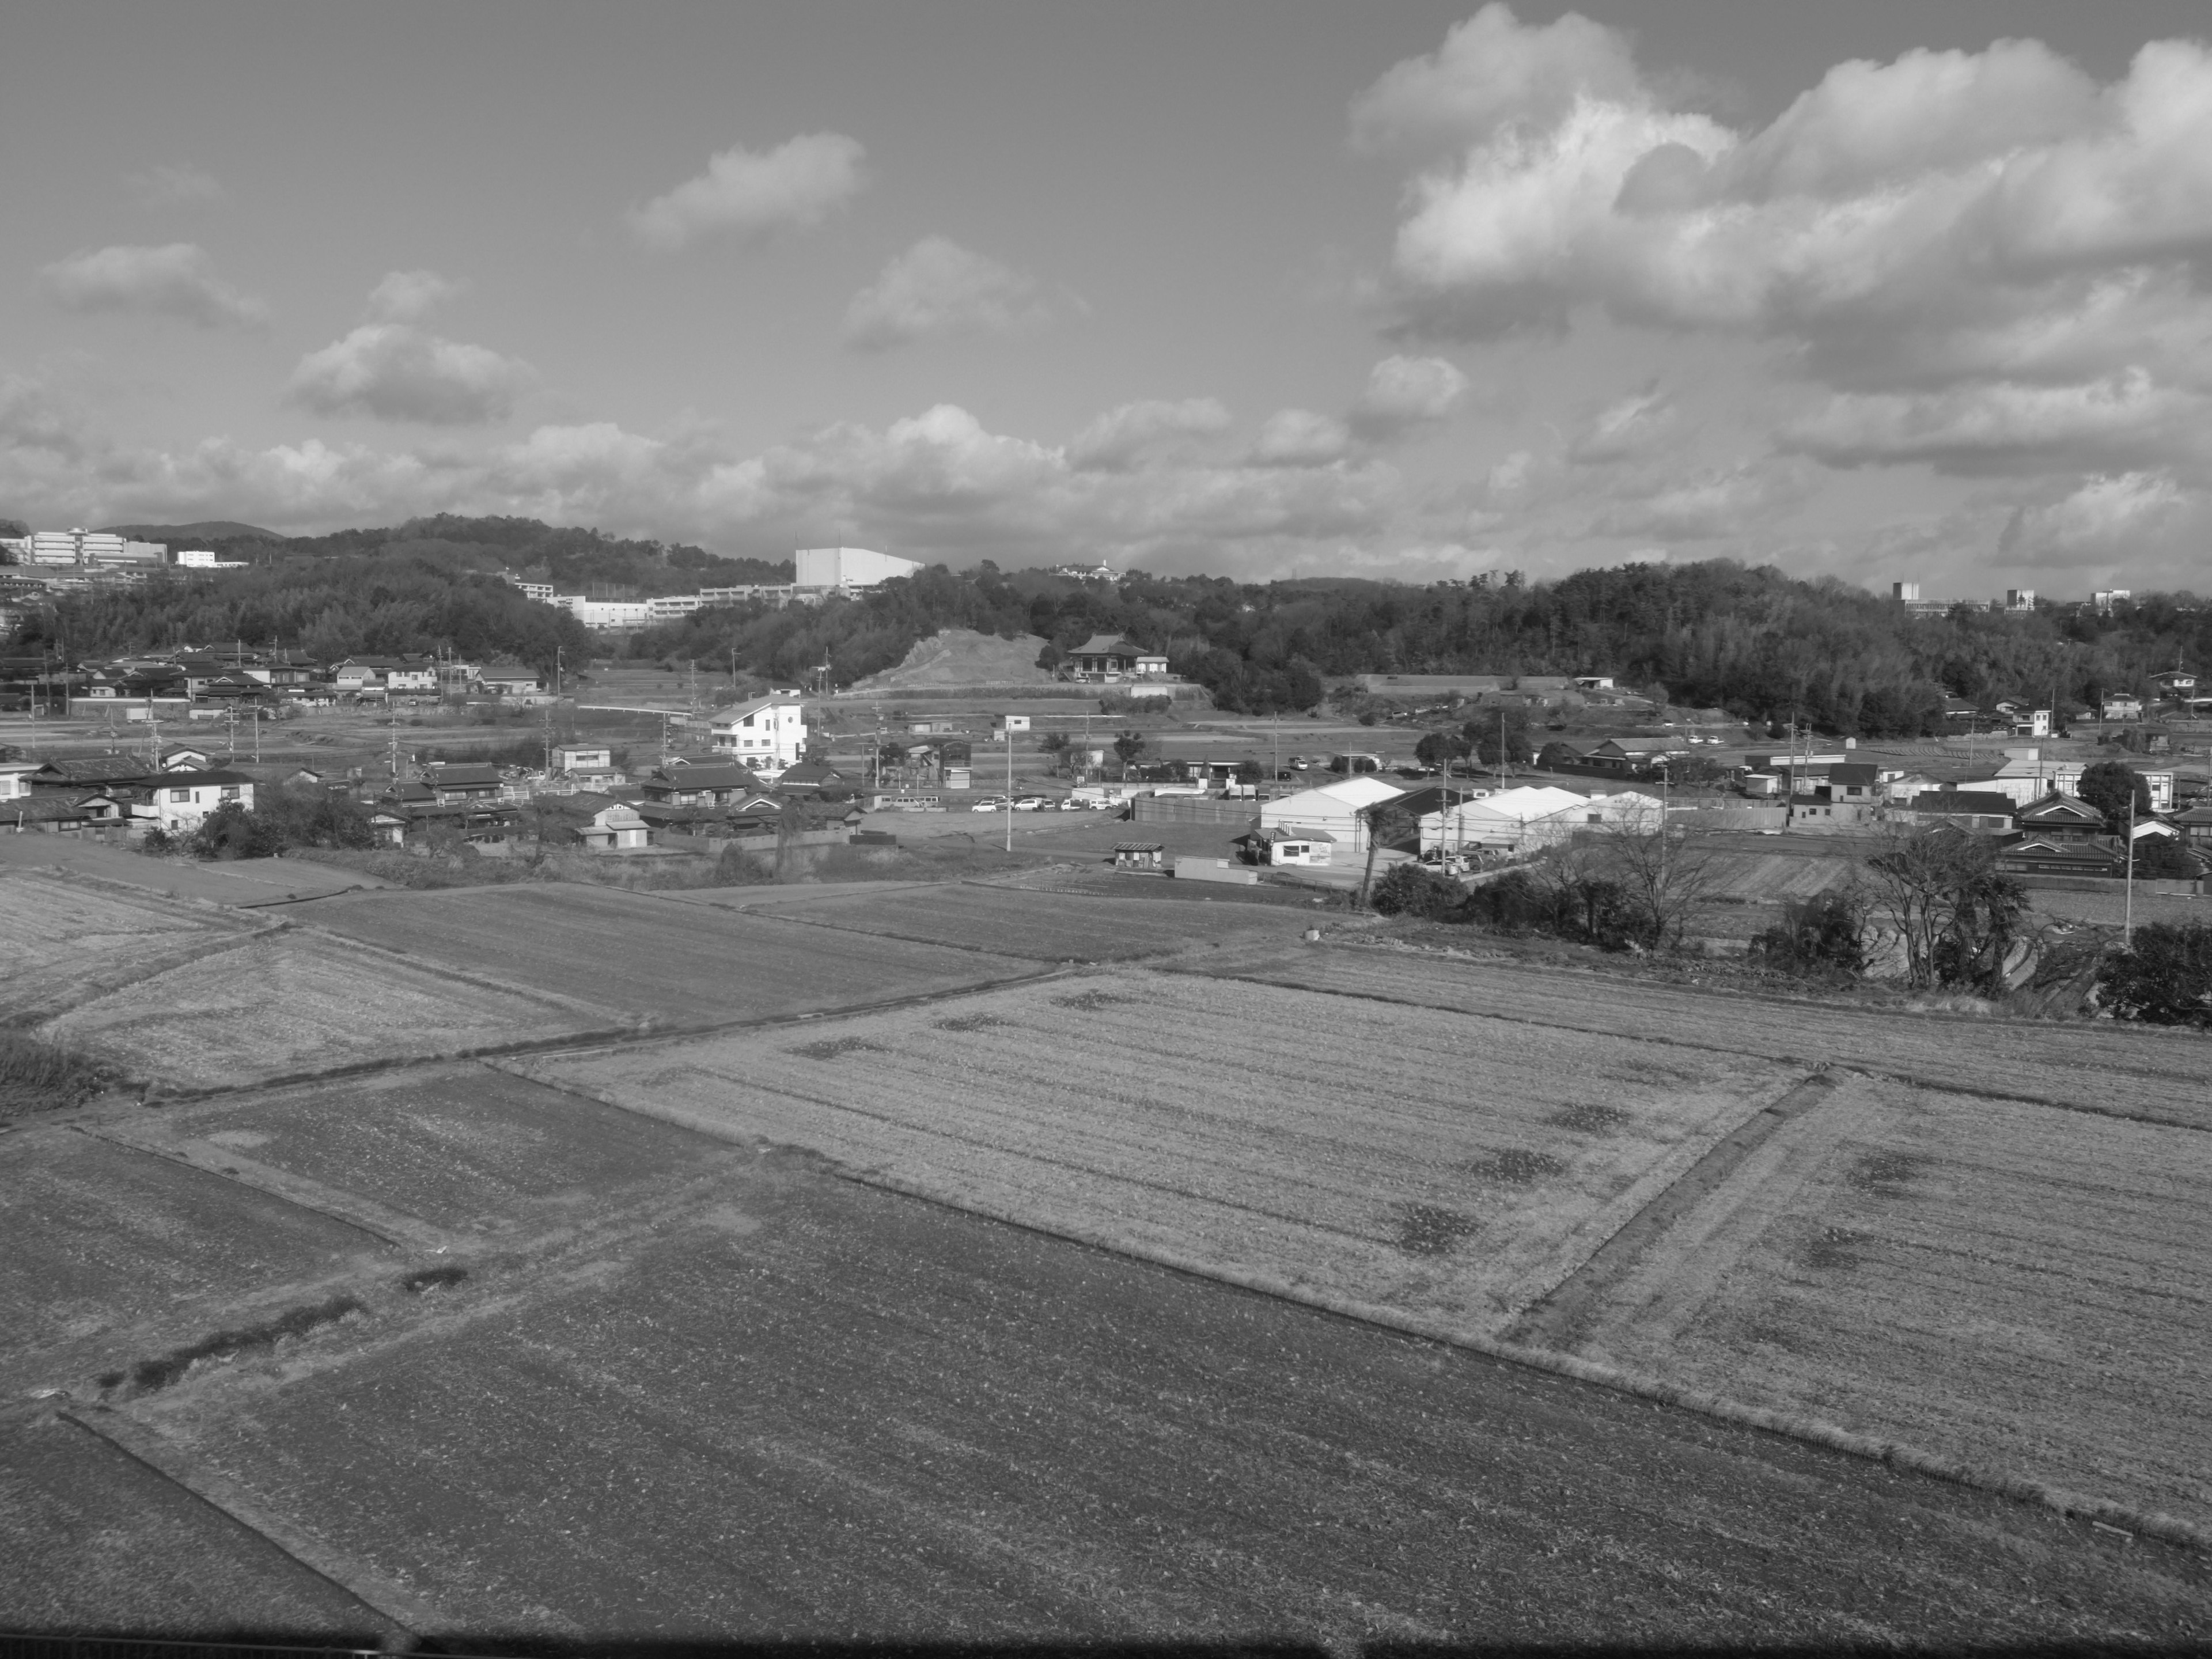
1754	642
428	583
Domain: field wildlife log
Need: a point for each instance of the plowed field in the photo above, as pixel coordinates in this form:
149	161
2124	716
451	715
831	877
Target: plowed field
2156	1075
1378	1156
294	1004
1998	1282
69	939
676	964
1050	926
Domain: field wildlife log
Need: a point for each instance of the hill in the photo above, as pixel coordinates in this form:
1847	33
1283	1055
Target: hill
208	530
958	657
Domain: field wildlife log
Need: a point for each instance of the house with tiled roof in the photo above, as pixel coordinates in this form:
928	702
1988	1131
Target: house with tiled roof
766	734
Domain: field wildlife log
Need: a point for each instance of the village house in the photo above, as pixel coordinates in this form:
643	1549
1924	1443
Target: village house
182	798
1108	657
767	734
1287	846
2121	706
601	822
709	785
586	766
2060	817
453	781
510	680
1982	811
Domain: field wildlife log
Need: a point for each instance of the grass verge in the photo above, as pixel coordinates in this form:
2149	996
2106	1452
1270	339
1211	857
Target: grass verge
40	1076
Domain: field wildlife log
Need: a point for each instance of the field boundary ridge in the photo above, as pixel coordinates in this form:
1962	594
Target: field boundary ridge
1914	1079
408	1618
1552	1322
2167	1528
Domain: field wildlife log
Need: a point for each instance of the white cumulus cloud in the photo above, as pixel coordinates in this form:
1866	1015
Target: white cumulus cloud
1989	236
176	280
1299	437
752	195
2108	520
937	288
391	369
1405	393
1147	432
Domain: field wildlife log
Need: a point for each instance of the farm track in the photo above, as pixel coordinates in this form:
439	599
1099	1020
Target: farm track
2149	1075
1560	1319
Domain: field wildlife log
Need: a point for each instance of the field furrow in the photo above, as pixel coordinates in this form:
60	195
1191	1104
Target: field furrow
1995	1281
1455	1167
2128	1071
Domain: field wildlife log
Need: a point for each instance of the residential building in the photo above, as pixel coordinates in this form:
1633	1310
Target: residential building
602	823
617	614
2060	817
1984	811
181	798
705	785
2020	599
453	781
510	680
1288	846
667	607
848	569
767	734
2121	706
1108	657
16	780
204	558
2048	855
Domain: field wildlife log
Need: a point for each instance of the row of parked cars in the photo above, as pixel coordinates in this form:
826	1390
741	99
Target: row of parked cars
1036	804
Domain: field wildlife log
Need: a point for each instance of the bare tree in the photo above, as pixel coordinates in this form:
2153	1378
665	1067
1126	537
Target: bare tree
1664	870
1385	819
1955	915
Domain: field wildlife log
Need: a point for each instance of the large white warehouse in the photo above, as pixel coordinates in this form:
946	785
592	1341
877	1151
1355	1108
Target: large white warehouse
849	567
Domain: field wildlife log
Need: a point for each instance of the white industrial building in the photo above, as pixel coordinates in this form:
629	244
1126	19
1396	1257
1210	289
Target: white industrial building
1518	820
1334	813
82	547
766	734
847	568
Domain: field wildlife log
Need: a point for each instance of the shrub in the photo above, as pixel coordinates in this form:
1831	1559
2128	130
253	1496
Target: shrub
2165	979
38	1076
1407	889
1823	934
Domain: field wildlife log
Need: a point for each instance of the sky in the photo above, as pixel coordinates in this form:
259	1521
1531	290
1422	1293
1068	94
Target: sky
1885	292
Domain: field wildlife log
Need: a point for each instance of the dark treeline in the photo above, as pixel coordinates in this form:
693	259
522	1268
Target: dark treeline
1717	635
1754	643
381	604
427	584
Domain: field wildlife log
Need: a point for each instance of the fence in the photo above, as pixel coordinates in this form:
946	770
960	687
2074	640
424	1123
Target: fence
1154	809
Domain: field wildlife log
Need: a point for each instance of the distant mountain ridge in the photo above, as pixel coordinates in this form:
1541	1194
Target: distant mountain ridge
206	530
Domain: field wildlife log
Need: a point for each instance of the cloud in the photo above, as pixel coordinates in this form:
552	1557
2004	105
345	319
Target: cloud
1146	433
407	297
178	280
1995	228
2108	520
389	369
937	289
1625	429
1492	73
395	371
175	185
1405	393
2005	426
1298	437
1712	505
750	195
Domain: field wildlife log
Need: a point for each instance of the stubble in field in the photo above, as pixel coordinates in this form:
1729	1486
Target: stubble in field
1439	1167
2005	1284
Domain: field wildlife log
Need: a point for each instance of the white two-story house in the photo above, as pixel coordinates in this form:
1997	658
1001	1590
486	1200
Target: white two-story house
766	734
182	796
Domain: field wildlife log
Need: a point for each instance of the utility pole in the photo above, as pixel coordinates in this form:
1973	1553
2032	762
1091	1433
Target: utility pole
2128	922
1010	788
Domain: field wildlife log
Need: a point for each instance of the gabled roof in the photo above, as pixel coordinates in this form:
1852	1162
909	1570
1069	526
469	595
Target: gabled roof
2056	808
1866	775
1104	645
91	768
463	774
812	771
1976	802
704	775
738	711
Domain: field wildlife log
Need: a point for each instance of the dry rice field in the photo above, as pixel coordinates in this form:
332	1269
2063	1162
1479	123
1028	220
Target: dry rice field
669	963
1995	1281
1049	926
67	939
293	1004
2128	1071
1450	1170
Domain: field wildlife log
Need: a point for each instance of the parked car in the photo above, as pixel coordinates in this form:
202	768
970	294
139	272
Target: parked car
1029	803
996	803
1069	804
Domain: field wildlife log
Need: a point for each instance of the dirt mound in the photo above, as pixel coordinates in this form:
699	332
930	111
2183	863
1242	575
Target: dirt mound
959	657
